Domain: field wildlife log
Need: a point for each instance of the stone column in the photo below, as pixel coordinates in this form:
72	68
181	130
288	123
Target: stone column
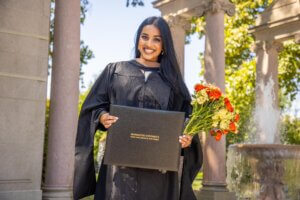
214	166
297	38
64	101
267	86
179	26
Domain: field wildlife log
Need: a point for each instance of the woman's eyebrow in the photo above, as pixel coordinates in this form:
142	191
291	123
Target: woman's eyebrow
153	36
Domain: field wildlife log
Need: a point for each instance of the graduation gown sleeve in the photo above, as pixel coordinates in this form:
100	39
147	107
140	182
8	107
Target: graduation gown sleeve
96	102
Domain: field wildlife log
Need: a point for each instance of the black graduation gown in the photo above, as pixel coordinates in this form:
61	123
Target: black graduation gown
123	83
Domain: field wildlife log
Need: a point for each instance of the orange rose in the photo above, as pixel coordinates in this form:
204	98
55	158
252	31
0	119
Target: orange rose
199	87
225	132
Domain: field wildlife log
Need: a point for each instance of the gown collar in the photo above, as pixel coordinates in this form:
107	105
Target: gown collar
144	67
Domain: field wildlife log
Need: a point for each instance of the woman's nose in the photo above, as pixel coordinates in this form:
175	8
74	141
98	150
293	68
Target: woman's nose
149	43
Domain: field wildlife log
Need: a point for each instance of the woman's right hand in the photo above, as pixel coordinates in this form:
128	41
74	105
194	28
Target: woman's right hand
107	120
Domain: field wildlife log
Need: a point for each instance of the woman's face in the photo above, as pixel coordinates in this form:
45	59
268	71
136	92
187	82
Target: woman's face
150	43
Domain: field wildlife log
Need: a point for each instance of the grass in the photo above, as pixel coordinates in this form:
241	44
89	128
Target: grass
197	184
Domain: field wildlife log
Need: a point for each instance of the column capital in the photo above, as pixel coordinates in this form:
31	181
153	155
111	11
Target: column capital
267	46
215	6
178	20
274	45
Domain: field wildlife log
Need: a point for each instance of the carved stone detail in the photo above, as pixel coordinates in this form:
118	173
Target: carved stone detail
274	45
178	20
267	45
258	46
215	6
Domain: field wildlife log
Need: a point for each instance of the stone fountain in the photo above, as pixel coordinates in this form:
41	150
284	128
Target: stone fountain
265	169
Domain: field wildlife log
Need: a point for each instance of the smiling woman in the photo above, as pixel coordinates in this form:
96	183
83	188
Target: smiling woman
152	80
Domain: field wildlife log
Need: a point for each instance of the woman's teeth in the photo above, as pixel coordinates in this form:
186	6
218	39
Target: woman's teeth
148	51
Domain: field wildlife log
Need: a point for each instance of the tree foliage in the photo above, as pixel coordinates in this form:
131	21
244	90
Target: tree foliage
291	128
240	62
289	73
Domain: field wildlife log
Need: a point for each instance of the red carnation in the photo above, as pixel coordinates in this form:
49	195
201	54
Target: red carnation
228	105
236	118
214	94
199	87
232	127
219	135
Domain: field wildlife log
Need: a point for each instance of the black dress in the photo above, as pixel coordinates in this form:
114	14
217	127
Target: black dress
132	84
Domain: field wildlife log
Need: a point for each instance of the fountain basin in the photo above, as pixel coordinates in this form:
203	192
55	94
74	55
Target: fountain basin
264	171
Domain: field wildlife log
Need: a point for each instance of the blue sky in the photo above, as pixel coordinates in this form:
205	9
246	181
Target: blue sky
109	31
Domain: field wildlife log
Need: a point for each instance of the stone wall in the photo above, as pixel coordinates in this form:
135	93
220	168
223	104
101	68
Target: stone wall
24	38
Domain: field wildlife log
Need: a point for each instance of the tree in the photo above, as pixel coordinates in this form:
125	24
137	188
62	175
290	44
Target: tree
240	63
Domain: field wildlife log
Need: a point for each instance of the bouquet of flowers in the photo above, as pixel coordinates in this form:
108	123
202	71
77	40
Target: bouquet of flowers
212	112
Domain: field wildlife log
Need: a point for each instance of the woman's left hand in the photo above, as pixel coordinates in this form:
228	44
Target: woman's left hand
185	140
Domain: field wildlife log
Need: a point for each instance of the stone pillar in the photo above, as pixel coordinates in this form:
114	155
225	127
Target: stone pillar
267	79
64	101
214	165
179	26
297	38
24	41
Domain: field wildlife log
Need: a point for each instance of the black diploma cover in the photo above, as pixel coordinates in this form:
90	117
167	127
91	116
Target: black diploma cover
144	138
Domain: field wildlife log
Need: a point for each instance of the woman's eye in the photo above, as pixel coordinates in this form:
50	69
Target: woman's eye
144	37
157	39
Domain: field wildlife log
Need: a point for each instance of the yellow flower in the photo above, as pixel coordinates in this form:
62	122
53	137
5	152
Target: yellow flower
224	124
202	97
215	124
222	117
221	114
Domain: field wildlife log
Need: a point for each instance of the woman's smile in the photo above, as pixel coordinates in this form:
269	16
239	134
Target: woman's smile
148	51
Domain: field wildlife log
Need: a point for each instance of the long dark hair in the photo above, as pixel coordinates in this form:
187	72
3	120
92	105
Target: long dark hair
169	66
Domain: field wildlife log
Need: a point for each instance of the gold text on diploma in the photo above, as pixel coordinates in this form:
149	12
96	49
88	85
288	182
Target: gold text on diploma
143	136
